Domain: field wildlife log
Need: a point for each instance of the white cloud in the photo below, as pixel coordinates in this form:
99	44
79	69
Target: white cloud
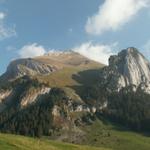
31	50
113	14
97	52
5	32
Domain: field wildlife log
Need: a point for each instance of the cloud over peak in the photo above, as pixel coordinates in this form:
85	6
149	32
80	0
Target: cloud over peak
31	50
97	52
113	14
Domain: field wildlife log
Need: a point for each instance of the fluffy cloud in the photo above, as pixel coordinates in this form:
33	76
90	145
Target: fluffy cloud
96	52
5	32
113	14
32	50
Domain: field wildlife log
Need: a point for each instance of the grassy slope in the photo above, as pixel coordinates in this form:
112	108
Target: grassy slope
15	142
110	136
99	135
65	77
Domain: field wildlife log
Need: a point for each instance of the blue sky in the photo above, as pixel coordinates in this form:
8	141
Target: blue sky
95	28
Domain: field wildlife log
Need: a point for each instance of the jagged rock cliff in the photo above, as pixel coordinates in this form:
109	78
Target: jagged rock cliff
128	68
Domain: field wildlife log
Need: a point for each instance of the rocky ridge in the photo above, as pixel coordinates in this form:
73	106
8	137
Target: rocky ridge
128	68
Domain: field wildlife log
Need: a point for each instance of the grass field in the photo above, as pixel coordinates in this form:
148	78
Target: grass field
114	137
15	142
99	137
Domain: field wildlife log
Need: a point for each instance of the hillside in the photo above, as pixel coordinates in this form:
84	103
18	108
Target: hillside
101	136
15	142
116	137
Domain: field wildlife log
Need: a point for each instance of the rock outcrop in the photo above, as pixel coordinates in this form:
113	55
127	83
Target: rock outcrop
128	68
31	96
4	96
21	67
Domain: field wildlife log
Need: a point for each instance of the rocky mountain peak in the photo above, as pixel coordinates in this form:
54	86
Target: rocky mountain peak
46	64
127	68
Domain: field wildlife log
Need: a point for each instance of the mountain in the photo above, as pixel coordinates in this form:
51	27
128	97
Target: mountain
43	95
44	65
128	68
124	90
67	97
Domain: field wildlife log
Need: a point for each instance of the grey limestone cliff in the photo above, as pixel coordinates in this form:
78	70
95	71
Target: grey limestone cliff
128	68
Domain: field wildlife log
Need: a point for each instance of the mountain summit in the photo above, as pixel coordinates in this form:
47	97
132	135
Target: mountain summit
46	64
128	68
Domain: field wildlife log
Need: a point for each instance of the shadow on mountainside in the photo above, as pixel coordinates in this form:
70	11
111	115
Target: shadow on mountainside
85	79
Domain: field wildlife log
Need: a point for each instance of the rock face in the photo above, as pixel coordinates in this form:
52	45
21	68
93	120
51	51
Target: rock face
30	97
128	68
4	94
21	67
4	97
